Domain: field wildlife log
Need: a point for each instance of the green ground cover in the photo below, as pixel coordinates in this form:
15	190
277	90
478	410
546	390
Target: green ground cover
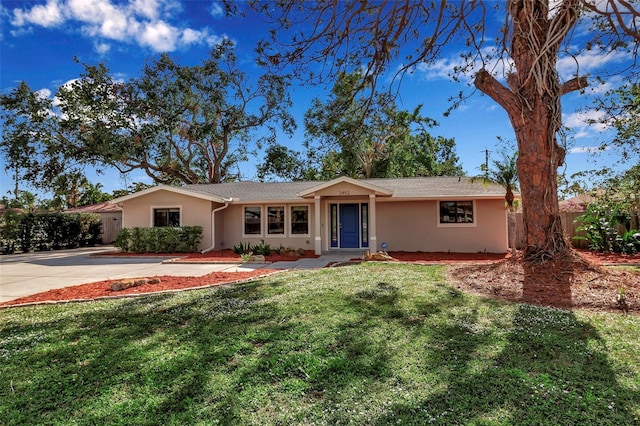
372	344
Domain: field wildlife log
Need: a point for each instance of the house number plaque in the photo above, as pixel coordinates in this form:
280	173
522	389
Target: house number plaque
344	193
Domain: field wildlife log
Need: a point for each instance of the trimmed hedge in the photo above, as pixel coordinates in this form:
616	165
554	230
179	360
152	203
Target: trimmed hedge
48	231
183	239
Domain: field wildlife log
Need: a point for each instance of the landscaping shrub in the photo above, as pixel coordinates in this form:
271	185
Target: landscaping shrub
602	234
184	239
9	232
262	249
48	231
123	240
246	248
242	248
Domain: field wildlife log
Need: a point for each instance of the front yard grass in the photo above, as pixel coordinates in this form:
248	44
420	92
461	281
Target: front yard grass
372	344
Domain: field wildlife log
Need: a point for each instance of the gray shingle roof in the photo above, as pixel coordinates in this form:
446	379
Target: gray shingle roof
425	187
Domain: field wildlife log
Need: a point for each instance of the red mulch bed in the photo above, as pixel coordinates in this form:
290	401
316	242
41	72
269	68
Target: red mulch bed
610	258
229	255
447	258
103	289
217	256
494	275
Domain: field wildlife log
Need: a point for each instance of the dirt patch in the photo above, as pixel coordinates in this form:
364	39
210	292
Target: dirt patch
593	285
104	289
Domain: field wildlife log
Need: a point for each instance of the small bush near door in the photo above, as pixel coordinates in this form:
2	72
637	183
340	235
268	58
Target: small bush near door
183	239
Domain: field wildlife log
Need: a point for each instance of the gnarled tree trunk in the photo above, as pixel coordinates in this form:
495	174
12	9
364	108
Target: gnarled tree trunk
532	101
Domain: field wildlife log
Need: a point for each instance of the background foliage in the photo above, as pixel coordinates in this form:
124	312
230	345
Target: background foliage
48	231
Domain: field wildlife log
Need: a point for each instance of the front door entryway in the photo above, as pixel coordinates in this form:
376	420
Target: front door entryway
349	226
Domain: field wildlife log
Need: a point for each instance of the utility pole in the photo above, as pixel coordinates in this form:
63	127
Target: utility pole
485	167
486	162
16	189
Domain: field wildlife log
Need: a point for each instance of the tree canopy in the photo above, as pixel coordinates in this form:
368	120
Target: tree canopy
387	142
176	123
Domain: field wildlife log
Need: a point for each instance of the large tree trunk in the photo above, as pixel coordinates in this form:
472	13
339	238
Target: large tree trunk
532	101
548	265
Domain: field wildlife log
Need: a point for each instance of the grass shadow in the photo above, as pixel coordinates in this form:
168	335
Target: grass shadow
335	346
554	369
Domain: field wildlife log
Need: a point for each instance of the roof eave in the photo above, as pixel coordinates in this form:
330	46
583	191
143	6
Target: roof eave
378	190
177	190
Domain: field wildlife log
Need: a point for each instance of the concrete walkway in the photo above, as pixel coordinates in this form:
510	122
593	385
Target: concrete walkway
30	273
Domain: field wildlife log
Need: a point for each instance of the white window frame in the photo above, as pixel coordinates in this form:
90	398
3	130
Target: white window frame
242	222
473	224
154	208
284	224
290	221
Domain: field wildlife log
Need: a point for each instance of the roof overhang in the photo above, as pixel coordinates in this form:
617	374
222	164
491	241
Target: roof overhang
175	190
374	189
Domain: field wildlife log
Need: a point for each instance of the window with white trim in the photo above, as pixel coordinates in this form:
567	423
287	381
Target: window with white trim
275	220
299	220
166	217
456	212
253	220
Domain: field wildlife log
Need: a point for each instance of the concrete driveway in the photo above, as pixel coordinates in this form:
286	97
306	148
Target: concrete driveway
30	273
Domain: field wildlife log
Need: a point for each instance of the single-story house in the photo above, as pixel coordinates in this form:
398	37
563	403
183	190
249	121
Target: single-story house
431	214
110	215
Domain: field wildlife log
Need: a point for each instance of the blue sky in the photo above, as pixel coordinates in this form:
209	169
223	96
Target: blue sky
40	38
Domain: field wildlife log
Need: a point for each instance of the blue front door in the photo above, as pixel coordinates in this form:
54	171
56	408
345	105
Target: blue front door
349	226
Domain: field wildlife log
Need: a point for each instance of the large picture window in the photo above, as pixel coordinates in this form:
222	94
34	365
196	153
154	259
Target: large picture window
456	212
252	220
275	223
299	220
166	217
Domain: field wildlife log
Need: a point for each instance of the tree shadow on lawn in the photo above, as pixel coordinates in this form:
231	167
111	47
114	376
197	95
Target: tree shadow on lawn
234	355
553	370
129	361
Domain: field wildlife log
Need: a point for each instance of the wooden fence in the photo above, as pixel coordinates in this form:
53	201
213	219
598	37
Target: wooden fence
111	225
569	225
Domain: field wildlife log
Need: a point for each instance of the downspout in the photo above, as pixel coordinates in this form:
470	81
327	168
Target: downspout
213	225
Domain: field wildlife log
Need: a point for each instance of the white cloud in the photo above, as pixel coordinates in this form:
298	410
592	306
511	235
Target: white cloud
147	8
102	48
444	68
190	36
47	15
586	149
149	23
159	36
587	62
216	10
43	93
586	124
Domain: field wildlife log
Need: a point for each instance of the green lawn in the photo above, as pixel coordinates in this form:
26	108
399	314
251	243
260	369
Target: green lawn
371	344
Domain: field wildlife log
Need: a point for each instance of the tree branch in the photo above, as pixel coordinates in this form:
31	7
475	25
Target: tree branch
574	84
491	87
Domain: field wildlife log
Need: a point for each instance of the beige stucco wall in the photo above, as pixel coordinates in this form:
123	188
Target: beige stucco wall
413	226
403	225
232	231
138	212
